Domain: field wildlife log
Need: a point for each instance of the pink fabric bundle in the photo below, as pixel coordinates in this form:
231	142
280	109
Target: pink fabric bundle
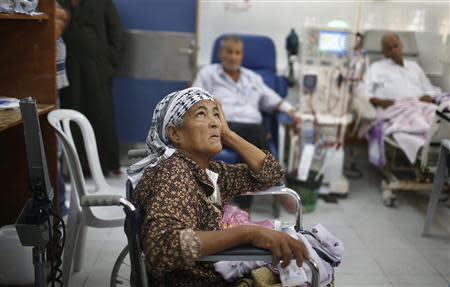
233	216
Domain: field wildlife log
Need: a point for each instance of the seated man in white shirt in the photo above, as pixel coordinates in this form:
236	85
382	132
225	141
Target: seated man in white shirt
242	93
394	78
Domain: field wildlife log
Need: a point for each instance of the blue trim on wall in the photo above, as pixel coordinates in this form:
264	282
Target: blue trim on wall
134	102
160	15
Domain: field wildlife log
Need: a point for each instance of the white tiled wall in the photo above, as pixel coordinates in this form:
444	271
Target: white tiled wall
430	19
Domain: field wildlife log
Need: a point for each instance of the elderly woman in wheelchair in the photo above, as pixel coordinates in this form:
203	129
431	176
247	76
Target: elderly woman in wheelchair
181	192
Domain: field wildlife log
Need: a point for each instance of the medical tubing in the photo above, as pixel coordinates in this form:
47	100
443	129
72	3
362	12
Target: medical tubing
51	251
56	247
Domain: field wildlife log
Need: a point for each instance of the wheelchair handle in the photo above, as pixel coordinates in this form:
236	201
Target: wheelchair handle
125	203
100	200
107	200
314	270
286	191
137	153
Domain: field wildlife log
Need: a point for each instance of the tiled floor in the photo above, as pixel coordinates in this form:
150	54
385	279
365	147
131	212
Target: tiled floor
383	246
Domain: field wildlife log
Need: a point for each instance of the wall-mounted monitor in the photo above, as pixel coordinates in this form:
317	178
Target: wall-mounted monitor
333	41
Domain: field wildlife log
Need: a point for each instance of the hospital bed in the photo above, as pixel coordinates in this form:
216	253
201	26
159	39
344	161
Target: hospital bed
398	173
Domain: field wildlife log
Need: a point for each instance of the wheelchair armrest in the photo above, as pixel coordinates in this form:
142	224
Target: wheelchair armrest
240	253
100	200
251	253
277	191
285	191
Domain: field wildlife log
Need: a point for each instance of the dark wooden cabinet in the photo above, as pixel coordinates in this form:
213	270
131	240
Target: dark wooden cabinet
27	69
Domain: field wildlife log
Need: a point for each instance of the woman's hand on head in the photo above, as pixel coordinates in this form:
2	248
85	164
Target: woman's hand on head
281	245
251	155
225	130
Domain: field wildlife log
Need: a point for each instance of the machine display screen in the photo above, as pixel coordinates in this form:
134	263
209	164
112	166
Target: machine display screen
333	42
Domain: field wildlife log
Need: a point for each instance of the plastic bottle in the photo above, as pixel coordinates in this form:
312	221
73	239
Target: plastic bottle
291	275
307	132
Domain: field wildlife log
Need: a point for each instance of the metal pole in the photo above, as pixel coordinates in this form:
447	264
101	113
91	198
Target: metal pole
39	266
315	272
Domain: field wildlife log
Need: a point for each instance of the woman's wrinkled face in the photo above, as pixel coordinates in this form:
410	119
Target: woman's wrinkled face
199	136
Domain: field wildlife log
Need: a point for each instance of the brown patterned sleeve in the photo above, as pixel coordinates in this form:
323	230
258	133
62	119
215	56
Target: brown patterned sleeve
169	241
235	179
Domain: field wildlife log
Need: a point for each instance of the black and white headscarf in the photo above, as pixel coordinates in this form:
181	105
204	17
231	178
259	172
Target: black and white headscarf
169	111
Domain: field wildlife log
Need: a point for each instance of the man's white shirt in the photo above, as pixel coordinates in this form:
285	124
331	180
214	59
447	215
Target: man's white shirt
241	100
389	81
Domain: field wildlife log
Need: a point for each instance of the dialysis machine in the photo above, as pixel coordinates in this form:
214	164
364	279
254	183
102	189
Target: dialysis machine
324	93
323	72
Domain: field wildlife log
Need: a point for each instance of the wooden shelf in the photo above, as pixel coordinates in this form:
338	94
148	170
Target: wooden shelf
16	16
12	117
28	68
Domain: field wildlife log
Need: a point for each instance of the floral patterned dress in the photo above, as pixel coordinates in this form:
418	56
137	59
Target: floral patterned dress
174	198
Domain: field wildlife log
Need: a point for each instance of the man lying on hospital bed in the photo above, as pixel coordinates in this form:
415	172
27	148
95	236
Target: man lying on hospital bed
403	95
394	78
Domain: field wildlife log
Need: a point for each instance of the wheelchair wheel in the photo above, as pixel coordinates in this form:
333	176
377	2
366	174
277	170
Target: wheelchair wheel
120	275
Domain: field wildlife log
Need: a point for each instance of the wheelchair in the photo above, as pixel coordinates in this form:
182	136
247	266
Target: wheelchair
130	270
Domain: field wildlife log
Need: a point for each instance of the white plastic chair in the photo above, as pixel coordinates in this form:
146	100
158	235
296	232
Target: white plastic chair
90	145
81	214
